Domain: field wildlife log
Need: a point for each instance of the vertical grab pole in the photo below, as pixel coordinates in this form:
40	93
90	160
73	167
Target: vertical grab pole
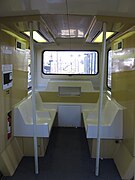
100	100
33	98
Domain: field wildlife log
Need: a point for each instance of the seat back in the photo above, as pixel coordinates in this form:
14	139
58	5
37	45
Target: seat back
105	99
25	108
93	114
109	112
39	102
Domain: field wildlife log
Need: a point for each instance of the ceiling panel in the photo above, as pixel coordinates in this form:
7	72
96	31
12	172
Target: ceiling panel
28	7
68	26
68	18
49	6
54	27
102	7
78	7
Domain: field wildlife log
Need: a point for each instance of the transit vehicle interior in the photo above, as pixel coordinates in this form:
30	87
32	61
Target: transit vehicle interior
67	93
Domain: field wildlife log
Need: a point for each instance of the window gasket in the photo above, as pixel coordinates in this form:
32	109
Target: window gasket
51	74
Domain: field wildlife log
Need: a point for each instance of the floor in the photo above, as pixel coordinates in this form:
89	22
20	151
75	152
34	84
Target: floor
67	158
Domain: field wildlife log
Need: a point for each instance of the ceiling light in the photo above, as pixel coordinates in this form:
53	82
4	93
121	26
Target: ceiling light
36	36
72	33
13	35
99	38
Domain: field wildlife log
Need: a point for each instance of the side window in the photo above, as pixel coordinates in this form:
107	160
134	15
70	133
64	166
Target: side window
29	73
109	69
70	62
28	56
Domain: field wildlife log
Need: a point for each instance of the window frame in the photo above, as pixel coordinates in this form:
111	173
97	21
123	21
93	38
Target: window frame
107	70
52	74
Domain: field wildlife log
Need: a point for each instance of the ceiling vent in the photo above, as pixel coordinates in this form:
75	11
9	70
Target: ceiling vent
20	45
118	45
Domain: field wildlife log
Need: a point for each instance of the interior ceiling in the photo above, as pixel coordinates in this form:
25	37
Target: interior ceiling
123	8
63	26
68	18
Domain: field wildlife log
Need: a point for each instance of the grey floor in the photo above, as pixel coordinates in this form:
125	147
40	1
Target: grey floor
67	158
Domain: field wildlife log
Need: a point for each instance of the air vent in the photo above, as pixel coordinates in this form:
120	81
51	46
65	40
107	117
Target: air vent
118	45
20	45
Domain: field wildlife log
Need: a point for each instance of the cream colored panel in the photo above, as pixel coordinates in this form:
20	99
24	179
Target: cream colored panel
123	88
6	166
91	97
108	148
10	151
28	146
20	60
20	142
9	55
6	106
10	158
123	60
124	162
129	42
20	83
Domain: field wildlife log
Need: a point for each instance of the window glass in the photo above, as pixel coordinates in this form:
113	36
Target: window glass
29	73
109	69
70	62
28	57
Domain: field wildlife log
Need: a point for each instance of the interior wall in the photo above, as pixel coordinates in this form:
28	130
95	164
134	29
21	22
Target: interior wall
10	153
41	81
123	90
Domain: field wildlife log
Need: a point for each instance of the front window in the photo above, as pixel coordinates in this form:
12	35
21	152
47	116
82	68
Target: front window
70	62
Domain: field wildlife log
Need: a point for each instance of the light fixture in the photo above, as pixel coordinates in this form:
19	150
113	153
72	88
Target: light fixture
13	35
36	36
99	38
72	33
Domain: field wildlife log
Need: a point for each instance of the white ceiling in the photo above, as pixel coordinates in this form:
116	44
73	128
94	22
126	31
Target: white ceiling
124	8
69	18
